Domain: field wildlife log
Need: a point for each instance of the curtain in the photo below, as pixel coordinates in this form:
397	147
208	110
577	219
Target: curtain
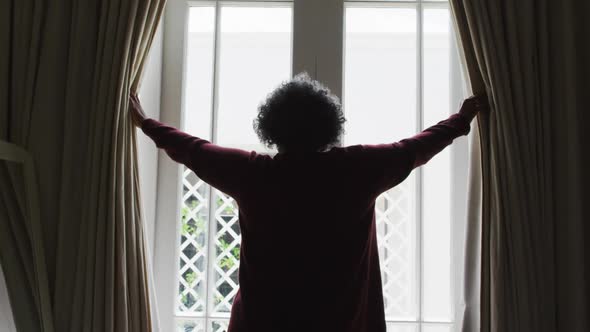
468	319
530	56
72	243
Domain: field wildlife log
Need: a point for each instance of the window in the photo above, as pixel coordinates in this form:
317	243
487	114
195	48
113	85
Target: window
235	54
398	81
395	65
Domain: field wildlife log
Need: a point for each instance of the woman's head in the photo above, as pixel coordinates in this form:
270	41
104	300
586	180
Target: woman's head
300	115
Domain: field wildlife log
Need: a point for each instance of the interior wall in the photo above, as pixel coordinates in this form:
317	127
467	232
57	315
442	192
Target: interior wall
6	320
149	94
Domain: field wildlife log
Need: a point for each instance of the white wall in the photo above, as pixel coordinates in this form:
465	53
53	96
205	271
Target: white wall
169	172
149	94
6	320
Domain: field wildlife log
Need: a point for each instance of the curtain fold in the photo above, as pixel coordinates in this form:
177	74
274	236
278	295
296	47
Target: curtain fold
470	318
64	85
526	56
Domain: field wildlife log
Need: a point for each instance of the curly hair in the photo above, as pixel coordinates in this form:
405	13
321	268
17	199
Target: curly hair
300	115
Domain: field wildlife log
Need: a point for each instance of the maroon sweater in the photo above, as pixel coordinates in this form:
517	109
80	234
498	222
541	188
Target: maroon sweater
308	259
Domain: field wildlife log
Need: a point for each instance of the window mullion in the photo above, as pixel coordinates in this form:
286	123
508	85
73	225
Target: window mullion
210	283
215	77
318	41
419	173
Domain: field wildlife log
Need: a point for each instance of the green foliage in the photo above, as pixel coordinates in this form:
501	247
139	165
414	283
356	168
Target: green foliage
193	226
227	262
191	277
236	252
228	209
187	301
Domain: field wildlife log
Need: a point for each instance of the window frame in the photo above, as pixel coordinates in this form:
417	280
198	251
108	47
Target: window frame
323	61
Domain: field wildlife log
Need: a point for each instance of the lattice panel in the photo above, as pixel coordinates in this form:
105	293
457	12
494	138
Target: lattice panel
190	325
199	325
394	215
227	252
395	219
225	255
193	243
219	325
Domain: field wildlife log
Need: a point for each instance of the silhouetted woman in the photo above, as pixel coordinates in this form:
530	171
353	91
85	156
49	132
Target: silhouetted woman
308	259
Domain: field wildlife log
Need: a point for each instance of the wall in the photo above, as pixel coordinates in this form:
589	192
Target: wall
149	94
6	320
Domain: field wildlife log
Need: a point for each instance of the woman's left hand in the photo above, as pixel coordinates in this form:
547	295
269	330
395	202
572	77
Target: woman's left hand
473	105
135	110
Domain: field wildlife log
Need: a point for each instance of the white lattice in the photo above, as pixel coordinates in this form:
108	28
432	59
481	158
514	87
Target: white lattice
193	242
394	217
227	252
225	255
190	325
220	325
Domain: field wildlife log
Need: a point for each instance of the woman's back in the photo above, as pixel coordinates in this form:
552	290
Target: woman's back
309	256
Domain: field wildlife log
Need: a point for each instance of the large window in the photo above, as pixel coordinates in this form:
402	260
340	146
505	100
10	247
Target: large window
398	81
236	54
399	75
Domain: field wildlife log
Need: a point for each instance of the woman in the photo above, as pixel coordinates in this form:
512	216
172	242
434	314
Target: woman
308	259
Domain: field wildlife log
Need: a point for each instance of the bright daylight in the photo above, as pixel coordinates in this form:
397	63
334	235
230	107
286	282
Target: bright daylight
380	102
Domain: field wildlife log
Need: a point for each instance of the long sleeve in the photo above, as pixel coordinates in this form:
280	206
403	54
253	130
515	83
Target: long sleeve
431	141
224	168
384	166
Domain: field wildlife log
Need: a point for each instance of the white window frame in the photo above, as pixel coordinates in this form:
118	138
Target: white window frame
320	52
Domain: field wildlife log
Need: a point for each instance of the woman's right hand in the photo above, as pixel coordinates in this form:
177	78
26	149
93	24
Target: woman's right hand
135	110
473	105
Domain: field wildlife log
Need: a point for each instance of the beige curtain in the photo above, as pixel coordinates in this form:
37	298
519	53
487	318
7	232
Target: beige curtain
531	57
72	244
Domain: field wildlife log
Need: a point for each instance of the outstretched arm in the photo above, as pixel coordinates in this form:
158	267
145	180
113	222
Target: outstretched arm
386	165
223	168
432	140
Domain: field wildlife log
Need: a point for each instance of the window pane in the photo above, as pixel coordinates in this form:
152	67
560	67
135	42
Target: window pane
195	193
190	325
380	106
255	57
437	327
198	86
380	74
193	244
219	325
226	253
402	327
396	236
415	327
437	186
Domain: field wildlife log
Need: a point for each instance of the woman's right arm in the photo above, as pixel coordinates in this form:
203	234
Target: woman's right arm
223	168
434	139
